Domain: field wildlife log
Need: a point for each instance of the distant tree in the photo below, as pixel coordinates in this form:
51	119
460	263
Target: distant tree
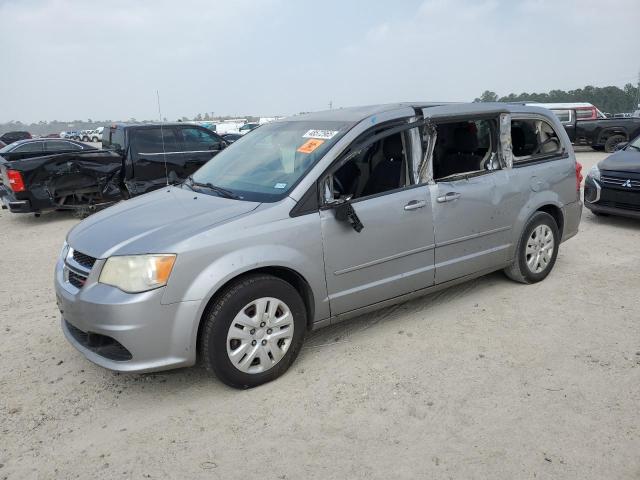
487	96
207	116
199	117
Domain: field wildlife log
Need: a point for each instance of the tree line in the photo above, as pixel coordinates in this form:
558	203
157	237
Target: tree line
609	99
56	126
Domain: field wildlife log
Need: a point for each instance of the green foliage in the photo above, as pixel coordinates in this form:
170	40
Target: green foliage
608	99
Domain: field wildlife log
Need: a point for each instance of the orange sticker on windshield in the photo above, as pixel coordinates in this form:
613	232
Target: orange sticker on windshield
310	145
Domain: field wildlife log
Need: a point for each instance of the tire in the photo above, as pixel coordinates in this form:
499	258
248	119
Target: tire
233	325
612	141
94	139
520	271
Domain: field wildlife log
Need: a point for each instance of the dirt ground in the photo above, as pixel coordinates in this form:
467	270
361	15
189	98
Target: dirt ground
490	379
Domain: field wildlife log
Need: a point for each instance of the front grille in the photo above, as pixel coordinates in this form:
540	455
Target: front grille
620	180
85	260
76	279
101	344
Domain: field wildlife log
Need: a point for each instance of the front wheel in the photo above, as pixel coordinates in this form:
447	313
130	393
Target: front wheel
536	251
612	141
253	331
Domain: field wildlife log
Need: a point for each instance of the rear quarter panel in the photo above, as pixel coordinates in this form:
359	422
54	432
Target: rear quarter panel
534	185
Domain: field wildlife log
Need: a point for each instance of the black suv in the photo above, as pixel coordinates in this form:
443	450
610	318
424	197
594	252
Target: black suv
612	187
135	159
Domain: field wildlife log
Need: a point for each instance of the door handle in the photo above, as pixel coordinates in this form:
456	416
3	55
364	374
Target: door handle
448	197
415	204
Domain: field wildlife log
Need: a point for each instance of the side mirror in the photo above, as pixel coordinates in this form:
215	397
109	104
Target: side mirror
620	146
344	212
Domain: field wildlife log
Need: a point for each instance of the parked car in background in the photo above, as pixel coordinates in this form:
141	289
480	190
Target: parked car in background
39	147
11	137
231	137
72	135
136	159
52	135
96	135
310	221
85	135
612	187
247	127
2	144
586	125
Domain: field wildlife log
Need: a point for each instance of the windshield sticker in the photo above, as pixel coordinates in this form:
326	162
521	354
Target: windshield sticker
310	145
280	185
322	134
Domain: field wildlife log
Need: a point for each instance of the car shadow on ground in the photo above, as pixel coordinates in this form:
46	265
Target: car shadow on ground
625	223
182	379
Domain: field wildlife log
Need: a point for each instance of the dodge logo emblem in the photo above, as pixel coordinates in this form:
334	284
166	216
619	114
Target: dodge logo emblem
627	184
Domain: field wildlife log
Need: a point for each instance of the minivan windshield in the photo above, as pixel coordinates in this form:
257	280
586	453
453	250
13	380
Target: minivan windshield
266	163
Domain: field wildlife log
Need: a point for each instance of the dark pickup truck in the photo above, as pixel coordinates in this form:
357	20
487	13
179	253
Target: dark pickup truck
601	133
135	159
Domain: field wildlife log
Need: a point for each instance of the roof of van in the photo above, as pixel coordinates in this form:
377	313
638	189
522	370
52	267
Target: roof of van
434	109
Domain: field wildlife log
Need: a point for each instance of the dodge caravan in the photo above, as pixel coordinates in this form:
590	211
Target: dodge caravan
309	221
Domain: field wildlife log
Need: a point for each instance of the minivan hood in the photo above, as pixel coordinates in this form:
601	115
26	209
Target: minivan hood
622	161
153	223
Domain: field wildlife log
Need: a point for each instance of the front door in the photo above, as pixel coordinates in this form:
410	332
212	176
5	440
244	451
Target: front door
393	253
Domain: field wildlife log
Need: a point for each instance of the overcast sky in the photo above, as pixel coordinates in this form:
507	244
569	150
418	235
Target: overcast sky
79	59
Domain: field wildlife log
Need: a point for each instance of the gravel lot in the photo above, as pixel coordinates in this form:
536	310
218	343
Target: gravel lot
490	379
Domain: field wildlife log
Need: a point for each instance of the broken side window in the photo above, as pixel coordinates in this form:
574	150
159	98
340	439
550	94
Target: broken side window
464	147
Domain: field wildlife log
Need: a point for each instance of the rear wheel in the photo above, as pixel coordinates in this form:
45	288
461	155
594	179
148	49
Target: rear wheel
253	331
536	251
612	141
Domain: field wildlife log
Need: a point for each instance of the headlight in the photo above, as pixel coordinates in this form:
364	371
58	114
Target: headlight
65	250
594	172
137	273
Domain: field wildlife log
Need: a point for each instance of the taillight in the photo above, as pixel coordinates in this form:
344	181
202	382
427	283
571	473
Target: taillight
15	180
578	175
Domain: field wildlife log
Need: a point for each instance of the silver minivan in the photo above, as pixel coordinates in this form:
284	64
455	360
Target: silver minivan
312	220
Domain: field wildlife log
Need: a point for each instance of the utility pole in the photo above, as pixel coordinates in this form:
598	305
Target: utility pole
638	92
330	104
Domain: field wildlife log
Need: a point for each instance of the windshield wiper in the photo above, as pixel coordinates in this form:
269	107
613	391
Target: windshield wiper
633	146
223	192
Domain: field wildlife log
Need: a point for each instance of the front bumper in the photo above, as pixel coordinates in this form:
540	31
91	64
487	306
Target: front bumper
600	198
126	332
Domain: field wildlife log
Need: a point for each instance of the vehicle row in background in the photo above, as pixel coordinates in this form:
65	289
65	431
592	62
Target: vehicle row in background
135	159
83	135
586	125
